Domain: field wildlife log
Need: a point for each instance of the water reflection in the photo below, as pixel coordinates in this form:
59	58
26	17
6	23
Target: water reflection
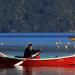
10	71
38	71
28	71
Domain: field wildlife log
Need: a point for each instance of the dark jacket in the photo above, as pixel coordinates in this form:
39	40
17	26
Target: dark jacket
29	53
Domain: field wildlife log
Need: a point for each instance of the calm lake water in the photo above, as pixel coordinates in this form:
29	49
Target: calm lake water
38	71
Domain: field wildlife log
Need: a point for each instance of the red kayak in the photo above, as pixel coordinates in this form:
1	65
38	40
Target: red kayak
58	61
8	61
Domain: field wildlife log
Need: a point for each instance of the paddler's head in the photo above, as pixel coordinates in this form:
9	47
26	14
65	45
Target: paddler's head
30	45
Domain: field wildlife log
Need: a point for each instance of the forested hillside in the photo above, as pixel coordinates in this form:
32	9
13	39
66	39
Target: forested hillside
37	15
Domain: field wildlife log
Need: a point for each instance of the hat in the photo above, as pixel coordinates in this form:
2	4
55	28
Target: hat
29	44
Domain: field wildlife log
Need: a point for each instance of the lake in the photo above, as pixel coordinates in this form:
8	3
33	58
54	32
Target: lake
38	71
14	45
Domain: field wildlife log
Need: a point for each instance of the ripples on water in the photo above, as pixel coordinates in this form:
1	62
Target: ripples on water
38	71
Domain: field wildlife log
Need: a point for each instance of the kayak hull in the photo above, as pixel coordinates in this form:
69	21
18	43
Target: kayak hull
8	62
60	61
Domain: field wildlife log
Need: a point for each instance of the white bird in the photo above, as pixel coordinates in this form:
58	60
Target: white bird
2	43
68	43
57	43
66	46
58	46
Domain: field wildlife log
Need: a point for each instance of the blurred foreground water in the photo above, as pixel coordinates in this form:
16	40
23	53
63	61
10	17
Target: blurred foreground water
68	70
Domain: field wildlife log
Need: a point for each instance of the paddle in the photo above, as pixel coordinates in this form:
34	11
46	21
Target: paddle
42	49
19	63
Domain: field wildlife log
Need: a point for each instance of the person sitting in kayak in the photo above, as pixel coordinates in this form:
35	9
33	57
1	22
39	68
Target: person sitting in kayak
29	51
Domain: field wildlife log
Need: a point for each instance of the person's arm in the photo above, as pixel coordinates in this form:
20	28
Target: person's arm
35	51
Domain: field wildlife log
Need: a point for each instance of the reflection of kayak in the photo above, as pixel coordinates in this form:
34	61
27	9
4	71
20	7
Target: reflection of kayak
57	61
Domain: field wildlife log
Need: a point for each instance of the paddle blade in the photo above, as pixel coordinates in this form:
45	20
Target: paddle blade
19	63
